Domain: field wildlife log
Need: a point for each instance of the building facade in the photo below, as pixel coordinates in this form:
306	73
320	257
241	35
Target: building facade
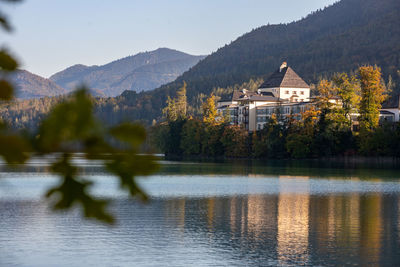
284	93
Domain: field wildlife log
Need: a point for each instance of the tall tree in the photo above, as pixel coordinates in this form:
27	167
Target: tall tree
348	89
176	108
372	96
326	92
209	110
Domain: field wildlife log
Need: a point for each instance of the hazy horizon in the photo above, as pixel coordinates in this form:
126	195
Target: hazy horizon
50	36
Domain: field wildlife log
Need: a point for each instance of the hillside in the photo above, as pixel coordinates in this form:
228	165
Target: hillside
29	85
141	72
338	38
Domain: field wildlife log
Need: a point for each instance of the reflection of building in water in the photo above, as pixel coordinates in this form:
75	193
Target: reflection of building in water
344	219
293	220
371	226
261	215
350	221
336	219
175	211
398	217
252	219
210	212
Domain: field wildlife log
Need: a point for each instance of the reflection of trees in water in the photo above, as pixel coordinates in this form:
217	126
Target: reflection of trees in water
309	168
286	229
312	168
294	229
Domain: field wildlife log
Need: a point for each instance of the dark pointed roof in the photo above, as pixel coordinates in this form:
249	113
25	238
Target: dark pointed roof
285	77
237	95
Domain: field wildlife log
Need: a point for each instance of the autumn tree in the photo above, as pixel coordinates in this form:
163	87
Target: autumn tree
176	108
372	96
348	90
326	92
299	141
209	110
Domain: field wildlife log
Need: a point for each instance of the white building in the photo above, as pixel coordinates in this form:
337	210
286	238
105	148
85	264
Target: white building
286	84
284	93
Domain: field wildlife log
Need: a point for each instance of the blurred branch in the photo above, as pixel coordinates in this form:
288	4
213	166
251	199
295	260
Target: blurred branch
70	127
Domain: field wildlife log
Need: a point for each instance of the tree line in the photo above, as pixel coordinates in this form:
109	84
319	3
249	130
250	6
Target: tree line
324	129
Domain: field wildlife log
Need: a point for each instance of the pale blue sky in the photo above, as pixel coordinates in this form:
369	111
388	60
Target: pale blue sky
51	35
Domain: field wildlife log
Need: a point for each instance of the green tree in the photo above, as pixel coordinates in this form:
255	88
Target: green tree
348	89
192	133
236	141
271	143
211	142
300	140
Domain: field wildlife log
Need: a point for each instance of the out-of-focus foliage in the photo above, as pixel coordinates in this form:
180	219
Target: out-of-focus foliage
71	126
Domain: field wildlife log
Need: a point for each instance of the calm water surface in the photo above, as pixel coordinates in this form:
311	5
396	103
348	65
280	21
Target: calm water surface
211	214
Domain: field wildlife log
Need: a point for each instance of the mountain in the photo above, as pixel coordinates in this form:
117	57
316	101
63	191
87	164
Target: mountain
141	72
29	85
338	38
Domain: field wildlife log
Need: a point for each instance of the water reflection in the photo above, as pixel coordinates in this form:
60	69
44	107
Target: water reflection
284	229
340	168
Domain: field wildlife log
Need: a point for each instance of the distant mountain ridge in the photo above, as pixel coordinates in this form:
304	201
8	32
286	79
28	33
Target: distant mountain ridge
29	85
339	38
140	72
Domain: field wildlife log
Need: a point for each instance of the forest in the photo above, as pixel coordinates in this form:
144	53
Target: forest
324	129
341	37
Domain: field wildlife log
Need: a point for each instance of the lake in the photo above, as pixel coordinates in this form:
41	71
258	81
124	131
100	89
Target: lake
241	213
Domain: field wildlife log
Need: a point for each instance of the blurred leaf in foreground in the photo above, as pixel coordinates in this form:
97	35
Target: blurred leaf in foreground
70	127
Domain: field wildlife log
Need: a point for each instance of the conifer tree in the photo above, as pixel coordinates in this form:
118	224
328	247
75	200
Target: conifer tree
176	108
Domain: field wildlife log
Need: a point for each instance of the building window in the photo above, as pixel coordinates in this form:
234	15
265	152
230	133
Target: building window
302	92
294	92
287	92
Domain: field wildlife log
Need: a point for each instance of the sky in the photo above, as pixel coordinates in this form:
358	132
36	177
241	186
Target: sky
51	35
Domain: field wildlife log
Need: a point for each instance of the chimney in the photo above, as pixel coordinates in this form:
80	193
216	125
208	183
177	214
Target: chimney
284	65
